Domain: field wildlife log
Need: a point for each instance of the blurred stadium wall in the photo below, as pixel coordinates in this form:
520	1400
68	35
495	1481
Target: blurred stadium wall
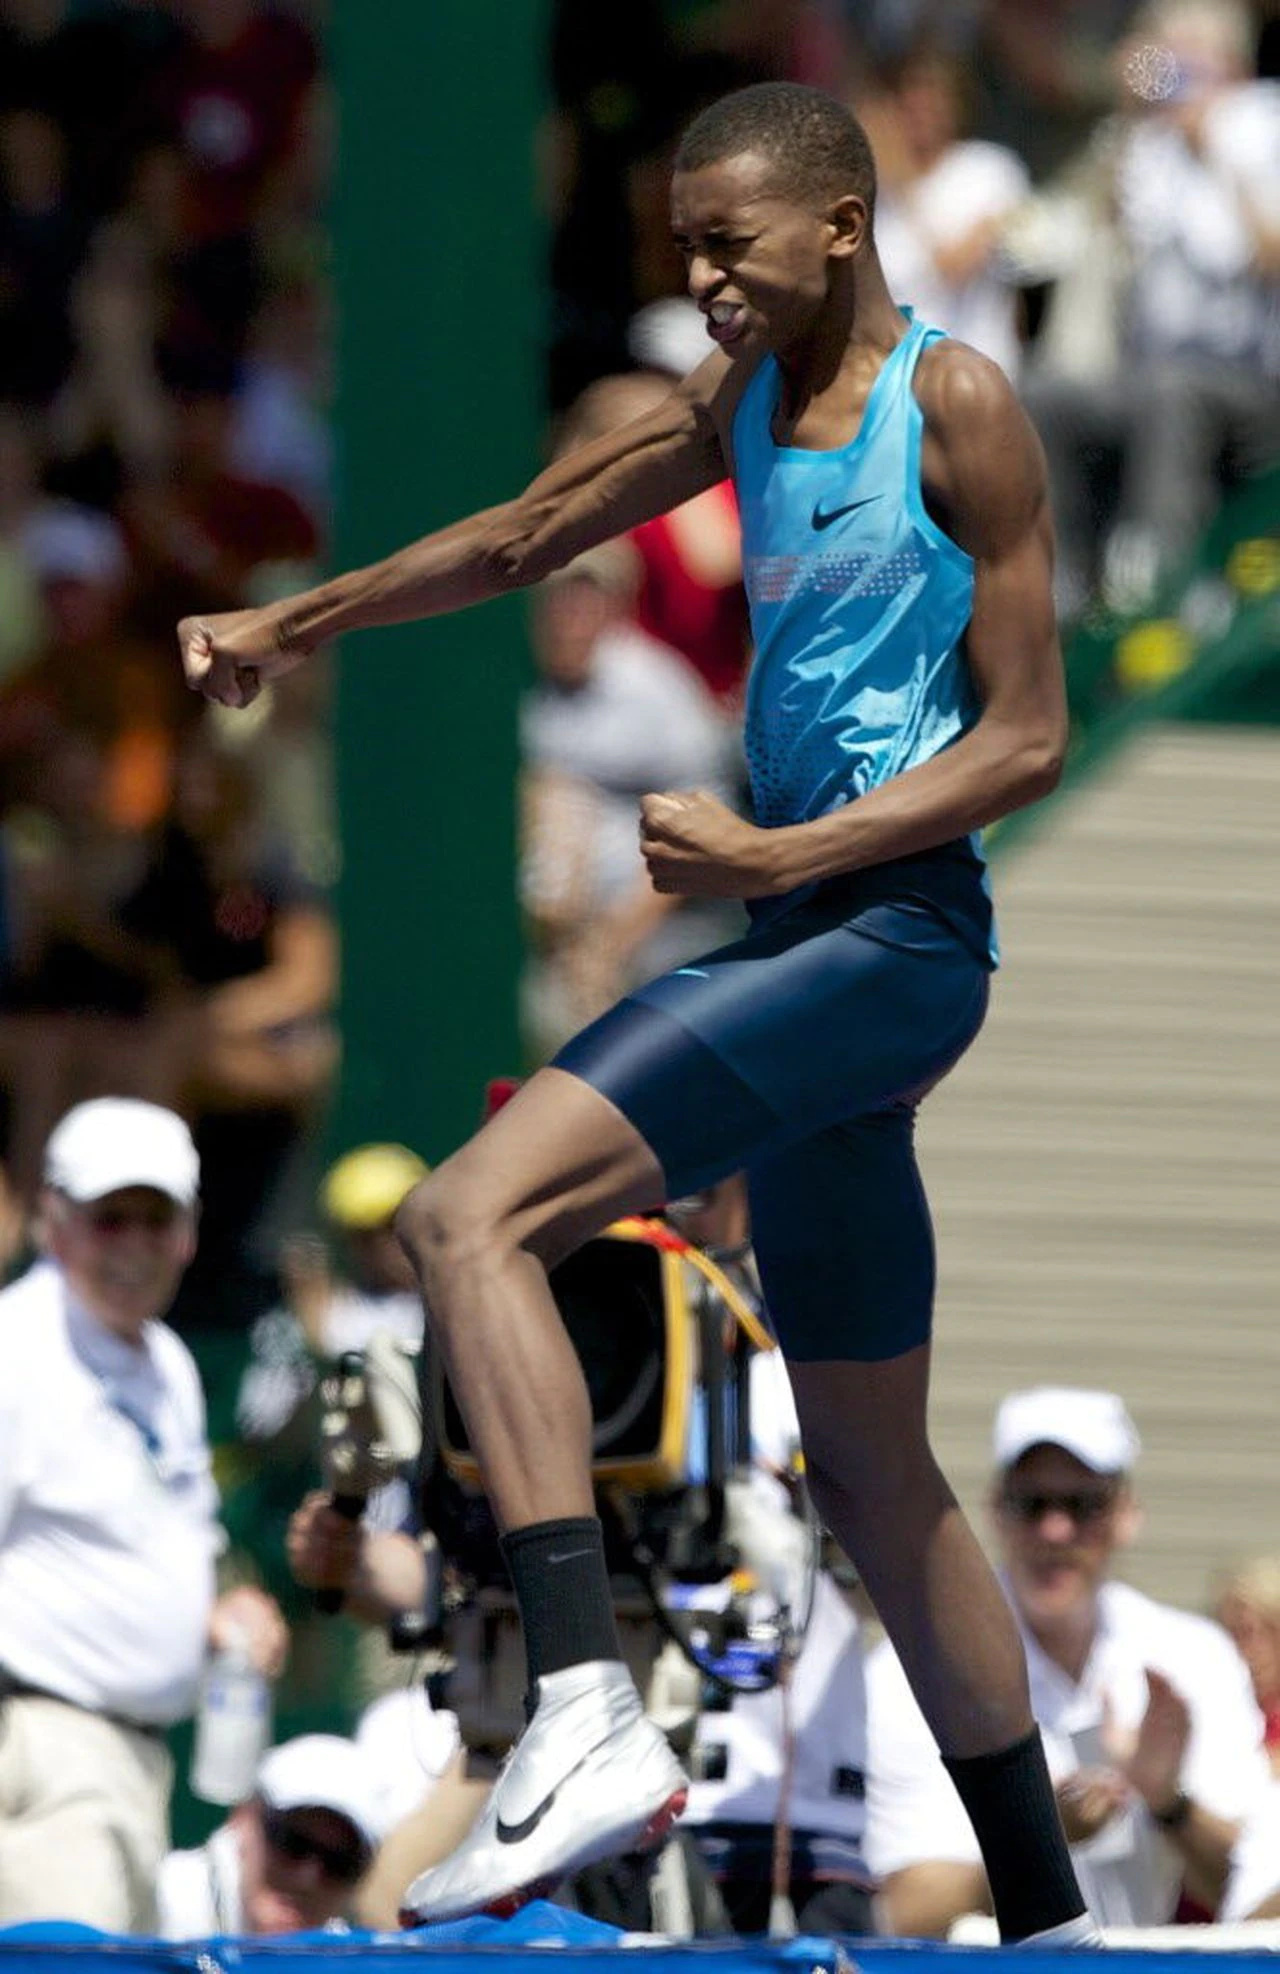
440	275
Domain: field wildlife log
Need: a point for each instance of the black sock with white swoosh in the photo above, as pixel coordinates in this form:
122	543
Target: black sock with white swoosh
562	1587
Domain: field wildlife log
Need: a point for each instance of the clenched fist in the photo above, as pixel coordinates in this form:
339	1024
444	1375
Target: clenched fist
231	656
695	846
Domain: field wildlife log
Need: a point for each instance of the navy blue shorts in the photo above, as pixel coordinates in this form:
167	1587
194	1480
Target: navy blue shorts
799	1053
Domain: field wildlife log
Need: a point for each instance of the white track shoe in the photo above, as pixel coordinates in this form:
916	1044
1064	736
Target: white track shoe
590	1777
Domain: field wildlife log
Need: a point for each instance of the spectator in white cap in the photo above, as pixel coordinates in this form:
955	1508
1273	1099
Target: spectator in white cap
1152	1733
289	1859
108	1525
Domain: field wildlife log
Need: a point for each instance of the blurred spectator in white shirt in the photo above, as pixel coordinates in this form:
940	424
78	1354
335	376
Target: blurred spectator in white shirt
288	1860
615	715
336	1295
108	1525
943	203
1253	1887
1151	1731
1191	180
279	435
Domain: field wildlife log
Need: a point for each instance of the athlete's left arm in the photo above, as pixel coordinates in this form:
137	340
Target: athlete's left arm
984	480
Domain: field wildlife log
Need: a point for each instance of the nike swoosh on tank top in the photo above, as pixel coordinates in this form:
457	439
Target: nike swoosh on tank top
859	604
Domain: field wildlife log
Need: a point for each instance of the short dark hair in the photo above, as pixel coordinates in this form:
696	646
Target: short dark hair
817	147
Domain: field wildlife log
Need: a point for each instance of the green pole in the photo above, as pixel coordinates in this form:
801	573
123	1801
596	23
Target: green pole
439	281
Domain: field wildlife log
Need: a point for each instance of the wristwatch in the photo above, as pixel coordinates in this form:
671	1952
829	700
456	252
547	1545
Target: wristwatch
1175	1812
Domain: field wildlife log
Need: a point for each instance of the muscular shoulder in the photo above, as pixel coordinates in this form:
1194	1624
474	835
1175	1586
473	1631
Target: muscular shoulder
716	389
966	398
982	463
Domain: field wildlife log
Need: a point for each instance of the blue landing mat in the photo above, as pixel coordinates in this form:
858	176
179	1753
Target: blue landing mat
519	1945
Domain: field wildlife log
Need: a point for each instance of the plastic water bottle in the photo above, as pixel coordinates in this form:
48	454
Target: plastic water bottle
233	1726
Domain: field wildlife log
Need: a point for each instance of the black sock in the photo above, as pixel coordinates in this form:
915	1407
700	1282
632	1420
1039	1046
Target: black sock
1011	1806
562	1587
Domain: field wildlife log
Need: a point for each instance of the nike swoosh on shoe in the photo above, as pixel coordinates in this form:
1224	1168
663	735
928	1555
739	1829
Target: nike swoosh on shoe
521	1827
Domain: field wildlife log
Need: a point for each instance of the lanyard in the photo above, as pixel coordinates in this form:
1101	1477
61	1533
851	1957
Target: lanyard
152	1445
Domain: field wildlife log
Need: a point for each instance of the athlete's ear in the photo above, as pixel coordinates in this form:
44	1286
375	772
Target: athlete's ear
850	225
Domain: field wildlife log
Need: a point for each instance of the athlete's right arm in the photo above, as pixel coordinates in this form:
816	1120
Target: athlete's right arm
587	496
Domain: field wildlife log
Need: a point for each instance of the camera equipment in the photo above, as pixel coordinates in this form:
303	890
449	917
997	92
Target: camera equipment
663	1337
369	1429
624	1300
664	1360
736	1629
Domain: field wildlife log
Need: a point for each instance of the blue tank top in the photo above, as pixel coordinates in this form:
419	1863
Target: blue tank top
859	604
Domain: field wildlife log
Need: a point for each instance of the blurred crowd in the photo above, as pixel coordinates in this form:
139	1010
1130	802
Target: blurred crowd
1087	194
164	929
1090	193
818	1803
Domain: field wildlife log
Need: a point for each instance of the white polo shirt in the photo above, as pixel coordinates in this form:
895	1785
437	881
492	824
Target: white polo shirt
1198	289
200	1893
1129	1873
972	182
1255	1861
108	1529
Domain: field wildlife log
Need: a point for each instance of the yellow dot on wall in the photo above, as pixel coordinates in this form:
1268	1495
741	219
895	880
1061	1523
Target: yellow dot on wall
1254	566
1151	653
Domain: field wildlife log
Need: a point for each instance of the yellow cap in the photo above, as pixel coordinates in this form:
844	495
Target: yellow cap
366	1185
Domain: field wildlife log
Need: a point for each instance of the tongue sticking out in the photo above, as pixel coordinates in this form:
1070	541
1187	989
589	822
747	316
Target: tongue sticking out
724	322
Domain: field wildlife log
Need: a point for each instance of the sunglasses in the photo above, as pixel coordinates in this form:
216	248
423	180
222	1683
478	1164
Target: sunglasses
1082	1506
344	1864
157	1217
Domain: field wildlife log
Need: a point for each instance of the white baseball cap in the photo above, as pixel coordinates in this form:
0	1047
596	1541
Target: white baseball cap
324	1771
109	1143
410	1744
1094	1426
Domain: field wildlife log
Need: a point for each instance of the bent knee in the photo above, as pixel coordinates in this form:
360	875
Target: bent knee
445	1224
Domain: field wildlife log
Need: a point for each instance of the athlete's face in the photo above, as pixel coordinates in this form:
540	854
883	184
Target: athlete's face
1059	1524
760	265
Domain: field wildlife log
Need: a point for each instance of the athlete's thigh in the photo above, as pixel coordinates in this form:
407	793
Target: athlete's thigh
844	1241
550	1169
769	1040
